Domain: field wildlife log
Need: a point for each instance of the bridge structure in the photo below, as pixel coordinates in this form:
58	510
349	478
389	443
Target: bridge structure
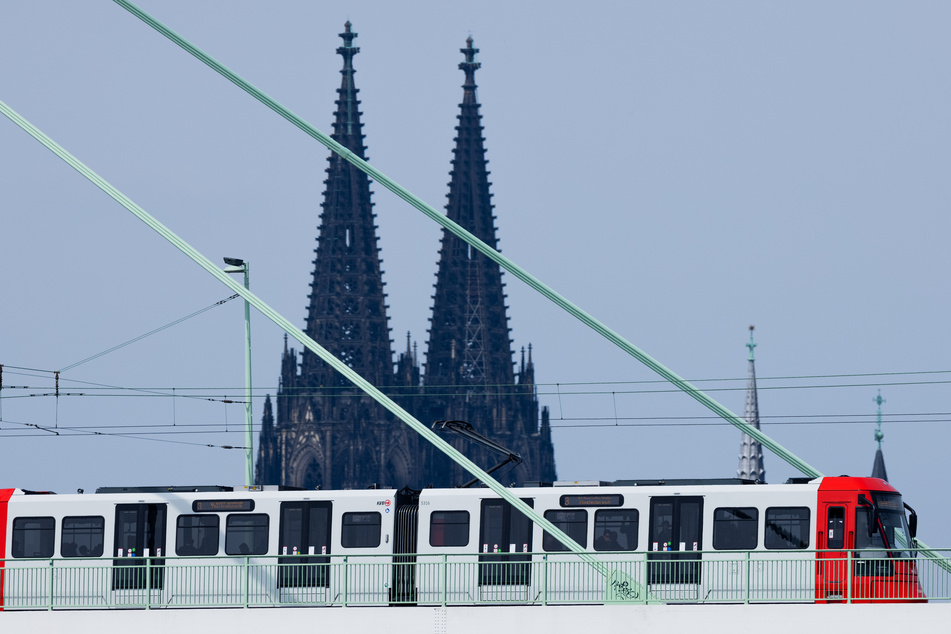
444	615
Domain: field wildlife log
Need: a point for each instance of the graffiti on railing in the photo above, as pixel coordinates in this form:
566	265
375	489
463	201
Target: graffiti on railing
621	588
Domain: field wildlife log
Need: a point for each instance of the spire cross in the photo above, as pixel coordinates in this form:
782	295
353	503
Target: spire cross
879	435
751	345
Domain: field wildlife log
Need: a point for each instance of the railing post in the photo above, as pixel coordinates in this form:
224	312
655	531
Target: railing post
545	579
848	576
644	577
148	583
445	578
344	594
746	593
49	604
247	581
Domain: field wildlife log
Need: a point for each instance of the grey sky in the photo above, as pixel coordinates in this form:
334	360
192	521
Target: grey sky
680	170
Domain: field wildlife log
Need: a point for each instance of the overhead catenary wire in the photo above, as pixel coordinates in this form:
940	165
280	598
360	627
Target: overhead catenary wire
322	391
148	334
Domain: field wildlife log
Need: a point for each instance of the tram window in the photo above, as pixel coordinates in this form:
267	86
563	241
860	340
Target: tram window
615	529
735	528
360	530
835	537
787	528
197	535
33	537
449	528
573	523
246	534
82	536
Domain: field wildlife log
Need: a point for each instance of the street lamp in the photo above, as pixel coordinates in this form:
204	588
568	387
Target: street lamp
236	265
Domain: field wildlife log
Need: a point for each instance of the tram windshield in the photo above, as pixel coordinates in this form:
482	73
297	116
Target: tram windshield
883	528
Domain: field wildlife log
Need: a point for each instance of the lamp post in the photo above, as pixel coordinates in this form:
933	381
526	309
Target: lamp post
236	265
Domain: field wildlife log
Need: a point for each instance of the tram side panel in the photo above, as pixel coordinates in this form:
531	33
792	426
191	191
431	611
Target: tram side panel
448	533
758	545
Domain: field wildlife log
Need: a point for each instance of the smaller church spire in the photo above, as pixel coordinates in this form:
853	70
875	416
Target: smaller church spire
878	467
751	452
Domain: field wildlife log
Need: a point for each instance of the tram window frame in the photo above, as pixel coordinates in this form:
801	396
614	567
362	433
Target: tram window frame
355	534
776	537
257	545
73	538
447	531
731	532
205	534
627	528
572	522
41	537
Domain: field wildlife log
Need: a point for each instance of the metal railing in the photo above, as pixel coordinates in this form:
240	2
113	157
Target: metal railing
444	580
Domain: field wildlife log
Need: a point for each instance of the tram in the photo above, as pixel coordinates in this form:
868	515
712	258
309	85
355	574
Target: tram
829	539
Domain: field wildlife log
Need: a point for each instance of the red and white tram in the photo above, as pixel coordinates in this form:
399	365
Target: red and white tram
824	540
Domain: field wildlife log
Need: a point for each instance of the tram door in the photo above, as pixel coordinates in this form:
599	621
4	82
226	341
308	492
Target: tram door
140	533
836	535
305	535
403	588
505	537
676	532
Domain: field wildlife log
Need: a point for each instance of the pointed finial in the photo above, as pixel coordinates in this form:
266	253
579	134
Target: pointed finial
470	66
408	348
879	435
348	93
347	37
751	345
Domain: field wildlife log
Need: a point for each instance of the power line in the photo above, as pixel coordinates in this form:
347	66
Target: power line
321	392
556	385
74	431
149	334
583	421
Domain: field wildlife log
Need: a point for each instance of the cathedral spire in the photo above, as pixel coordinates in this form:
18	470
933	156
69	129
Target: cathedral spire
347	311
878	467
751	452
470	361
469	312
328	433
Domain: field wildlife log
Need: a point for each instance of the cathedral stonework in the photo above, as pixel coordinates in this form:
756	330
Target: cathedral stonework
328	433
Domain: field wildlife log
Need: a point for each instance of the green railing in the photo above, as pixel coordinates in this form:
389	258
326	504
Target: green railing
548	578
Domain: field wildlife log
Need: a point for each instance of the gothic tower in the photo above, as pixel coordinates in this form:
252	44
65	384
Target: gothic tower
328	432
751	452
469	373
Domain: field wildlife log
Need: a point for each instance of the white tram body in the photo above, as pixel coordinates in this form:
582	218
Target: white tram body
678	540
